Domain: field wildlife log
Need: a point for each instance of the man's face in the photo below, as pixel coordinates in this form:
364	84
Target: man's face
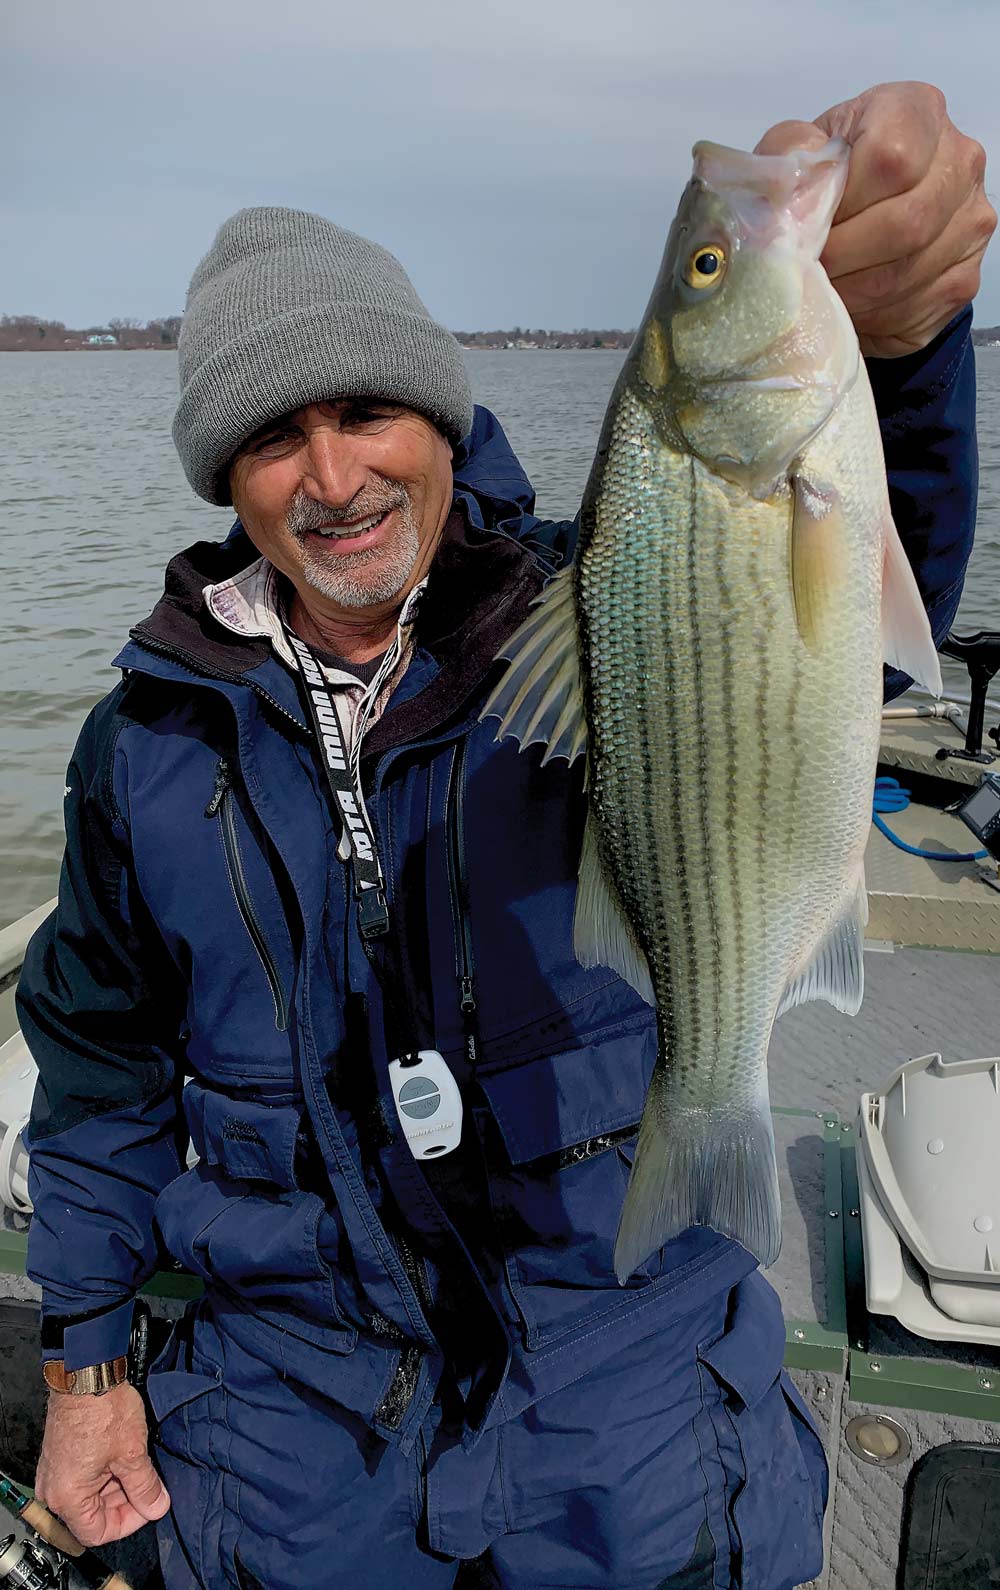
348	499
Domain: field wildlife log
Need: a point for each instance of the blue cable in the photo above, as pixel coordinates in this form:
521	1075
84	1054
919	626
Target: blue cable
891	797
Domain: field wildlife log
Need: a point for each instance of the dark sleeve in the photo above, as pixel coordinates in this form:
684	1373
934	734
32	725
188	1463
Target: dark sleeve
926	405
99	1008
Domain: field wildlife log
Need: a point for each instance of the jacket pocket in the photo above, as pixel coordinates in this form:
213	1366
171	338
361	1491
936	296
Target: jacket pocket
566	1125
246	1139
773	1469
188	1399
262	1246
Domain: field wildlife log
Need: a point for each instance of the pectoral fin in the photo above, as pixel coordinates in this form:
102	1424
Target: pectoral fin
818	555
906	631
539	700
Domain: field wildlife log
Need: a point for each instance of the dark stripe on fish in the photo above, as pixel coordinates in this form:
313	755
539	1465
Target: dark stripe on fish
763	693
707	892
683	1056
732	848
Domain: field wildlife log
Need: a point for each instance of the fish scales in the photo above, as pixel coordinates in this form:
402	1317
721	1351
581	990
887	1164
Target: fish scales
718	646
712	851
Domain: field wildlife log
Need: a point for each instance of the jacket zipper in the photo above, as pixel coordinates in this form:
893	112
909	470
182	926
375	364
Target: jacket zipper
194	665
392	1409
465	966
458	888
221	806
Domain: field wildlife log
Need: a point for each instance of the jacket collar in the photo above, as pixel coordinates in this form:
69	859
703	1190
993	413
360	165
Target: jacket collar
479	587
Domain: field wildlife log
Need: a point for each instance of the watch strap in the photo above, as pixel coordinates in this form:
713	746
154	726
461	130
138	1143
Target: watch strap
93	1380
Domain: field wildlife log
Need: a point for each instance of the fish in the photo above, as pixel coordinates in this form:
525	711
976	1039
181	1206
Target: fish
715	651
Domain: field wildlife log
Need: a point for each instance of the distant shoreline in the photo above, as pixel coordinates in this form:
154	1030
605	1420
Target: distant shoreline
44	337
473	347
23	334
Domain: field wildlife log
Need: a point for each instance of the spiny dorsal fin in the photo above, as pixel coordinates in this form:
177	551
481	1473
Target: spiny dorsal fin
539	700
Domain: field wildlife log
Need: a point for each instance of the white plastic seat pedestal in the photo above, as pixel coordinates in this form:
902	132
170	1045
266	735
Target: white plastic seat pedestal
929	1183
17	1083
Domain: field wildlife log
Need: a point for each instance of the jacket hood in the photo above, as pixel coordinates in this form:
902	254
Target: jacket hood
489	479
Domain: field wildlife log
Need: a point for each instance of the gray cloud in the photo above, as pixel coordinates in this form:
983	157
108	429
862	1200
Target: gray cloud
523	161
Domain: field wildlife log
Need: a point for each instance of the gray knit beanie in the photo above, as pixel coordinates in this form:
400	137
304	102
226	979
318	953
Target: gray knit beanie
287	309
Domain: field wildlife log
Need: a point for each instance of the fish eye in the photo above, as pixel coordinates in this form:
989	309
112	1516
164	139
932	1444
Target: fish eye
706	265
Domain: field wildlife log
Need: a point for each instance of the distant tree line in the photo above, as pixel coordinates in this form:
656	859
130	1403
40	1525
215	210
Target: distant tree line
33	334
520	338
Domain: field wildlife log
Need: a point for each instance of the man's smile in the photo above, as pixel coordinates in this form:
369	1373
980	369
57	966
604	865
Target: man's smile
353	537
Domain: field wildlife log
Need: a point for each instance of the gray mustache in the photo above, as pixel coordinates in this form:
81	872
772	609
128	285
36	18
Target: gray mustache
306	514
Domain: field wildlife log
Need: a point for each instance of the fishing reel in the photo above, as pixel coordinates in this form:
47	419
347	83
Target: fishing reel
28	1565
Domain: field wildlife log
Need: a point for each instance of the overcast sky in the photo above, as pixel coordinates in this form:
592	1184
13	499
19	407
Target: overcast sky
523	158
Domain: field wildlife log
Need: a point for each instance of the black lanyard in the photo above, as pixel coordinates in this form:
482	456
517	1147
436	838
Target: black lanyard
369	883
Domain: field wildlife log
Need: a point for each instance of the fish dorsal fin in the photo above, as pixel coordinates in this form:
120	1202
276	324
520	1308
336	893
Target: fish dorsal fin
836	971
539	700
906	631
602	933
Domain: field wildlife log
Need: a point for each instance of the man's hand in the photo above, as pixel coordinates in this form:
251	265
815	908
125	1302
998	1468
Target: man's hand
907	243
95	1470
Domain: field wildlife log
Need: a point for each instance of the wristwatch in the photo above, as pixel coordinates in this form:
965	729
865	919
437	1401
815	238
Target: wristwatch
95	1379
92	1381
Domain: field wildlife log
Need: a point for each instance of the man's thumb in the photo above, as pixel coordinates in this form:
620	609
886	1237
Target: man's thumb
144	1489
785	136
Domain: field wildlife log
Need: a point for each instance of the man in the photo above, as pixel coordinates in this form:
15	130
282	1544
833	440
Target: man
295	857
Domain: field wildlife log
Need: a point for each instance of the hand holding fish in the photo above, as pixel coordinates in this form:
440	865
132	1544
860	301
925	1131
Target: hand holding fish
909	236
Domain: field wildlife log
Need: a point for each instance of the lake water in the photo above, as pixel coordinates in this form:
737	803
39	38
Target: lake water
94	503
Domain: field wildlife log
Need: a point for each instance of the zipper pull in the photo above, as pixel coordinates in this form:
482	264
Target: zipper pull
221	785
468	998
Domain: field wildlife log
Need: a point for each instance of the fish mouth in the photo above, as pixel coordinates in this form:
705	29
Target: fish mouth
772	177
792	196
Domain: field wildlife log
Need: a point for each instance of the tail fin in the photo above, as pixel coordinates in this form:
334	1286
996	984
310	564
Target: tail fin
701	1167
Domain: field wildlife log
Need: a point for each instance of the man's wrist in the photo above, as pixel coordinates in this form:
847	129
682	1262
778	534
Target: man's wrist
93	1380
923	373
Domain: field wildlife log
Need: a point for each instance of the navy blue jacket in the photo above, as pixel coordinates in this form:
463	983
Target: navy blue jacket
203	975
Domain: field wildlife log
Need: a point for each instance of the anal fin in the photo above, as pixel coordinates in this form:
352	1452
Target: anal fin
836	971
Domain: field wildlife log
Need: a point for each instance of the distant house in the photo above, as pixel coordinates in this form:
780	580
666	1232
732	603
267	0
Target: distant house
102	339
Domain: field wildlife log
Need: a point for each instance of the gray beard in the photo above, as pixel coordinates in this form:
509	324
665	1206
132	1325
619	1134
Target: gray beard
371	576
